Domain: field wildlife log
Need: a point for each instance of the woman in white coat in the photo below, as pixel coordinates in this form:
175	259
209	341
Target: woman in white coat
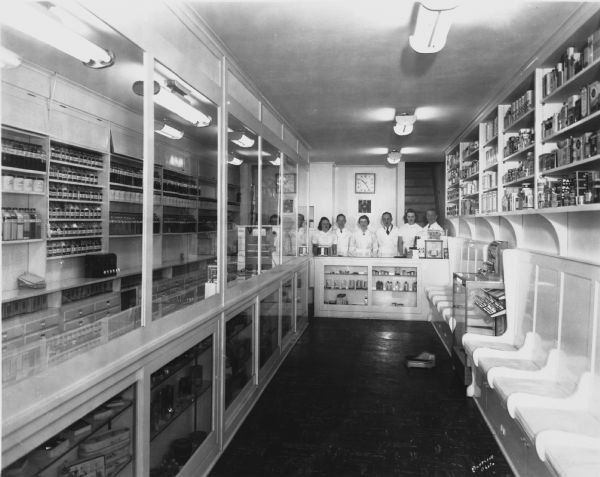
363	242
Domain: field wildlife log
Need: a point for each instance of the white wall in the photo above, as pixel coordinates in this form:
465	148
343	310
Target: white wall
332	192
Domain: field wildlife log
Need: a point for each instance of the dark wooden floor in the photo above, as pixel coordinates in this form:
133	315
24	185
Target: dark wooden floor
343	404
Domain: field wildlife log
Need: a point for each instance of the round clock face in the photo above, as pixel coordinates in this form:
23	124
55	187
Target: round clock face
364	183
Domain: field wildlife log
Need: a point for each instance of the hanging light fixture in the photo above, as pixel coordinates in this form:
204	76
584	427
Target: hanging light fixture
434	19
404	124
235	161
9	59
394	156
167	131
240	138
171	96
37	22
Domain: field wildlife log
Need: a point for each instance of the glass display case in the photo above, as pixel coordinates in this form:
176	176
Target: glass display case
269	327
302	298
394	286
101	442
271	161
287	309
185	198
291	229
346	285
181	408
239	346
242	202
68	243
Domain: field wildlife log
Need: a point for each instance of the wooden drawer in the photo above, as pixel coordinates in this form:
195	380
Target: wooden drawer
15	344
29	323
42	324
47	333
76	323
77	312
108	312
12	332
109	301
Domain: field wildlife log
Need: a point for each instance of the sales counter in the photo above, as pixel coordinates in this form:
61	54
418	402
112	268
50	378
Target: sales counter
384	288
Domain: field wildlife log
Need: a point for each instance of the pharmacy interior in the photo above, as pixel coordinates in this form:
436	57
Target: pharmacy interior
158	214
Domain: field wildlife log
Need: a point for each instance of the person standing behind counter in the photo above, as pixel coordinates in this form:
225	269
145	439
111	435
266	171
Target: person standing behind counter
387	237
324	237
363	242
432	223
343	235
410	229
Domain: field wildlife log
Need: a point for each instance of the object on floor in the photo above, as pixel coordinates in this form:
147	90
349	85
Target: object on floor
422	360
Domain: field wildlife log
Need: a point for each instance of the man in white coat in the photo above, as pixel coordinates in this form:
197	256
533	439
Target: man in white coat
387	237
343	235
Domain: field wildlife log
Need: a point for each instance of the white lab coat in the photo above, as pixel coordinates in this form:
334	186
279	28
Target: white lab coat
408	233
434	226
363	244
324	239
388	243
343	241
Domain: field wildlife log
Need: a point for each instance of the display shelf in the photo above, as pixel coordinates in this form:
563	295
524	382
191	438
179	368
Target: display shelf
122	236
491	167
121	467
588	123
73	255
70	219
490	142
123	201
346	274
24	171
17	242
393	291
519	181
73	237
586	76
456	199
84	184
473	156
572	166
74	164
40	463
520	153
525	120
491	189
118	184
468	196
471	177
19	192
80	201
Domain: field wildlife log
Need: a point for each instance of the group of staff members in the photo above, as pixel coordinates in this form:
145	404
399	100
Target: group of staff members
363	242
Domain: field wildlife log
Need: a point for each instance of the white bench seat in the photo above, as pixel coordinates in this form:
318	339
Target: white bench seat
571	455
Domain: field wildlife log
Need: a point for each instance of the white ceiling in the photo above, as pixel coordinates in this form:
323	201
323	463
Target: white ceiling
338	70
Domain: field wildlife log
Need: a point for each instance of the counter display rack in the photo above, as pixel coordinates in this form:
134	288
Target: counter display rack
239	345
394	286
102	440
181	408
345	286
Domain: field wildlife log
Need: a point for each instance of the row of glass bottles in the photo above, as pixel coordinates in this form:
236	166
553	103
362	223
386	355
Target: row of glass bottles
59	248
21	224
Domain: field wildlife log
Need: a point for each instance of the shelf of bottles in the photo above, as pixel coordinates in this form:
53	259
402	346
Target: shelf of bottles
75	197
100	443
394	286
346	285
180	408
469	178
452	182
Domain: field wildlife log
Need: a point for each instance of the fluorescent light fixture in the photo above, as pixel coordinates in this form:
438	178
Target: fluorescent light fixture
375	151
235	161
380	114
239	138
33	21
167	131
9	59
404	124
394	156
434	19
175	102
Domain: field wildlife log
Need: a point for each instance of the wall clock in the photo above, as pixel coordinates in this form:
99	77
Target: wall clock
364	183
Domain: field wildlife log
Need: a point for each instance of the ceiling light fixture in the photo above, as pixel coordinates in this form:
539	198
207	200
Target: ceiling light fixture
167	131
240	138
9	59
434	19
394	156
235	161
276	161
33	21
171	97
404	124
